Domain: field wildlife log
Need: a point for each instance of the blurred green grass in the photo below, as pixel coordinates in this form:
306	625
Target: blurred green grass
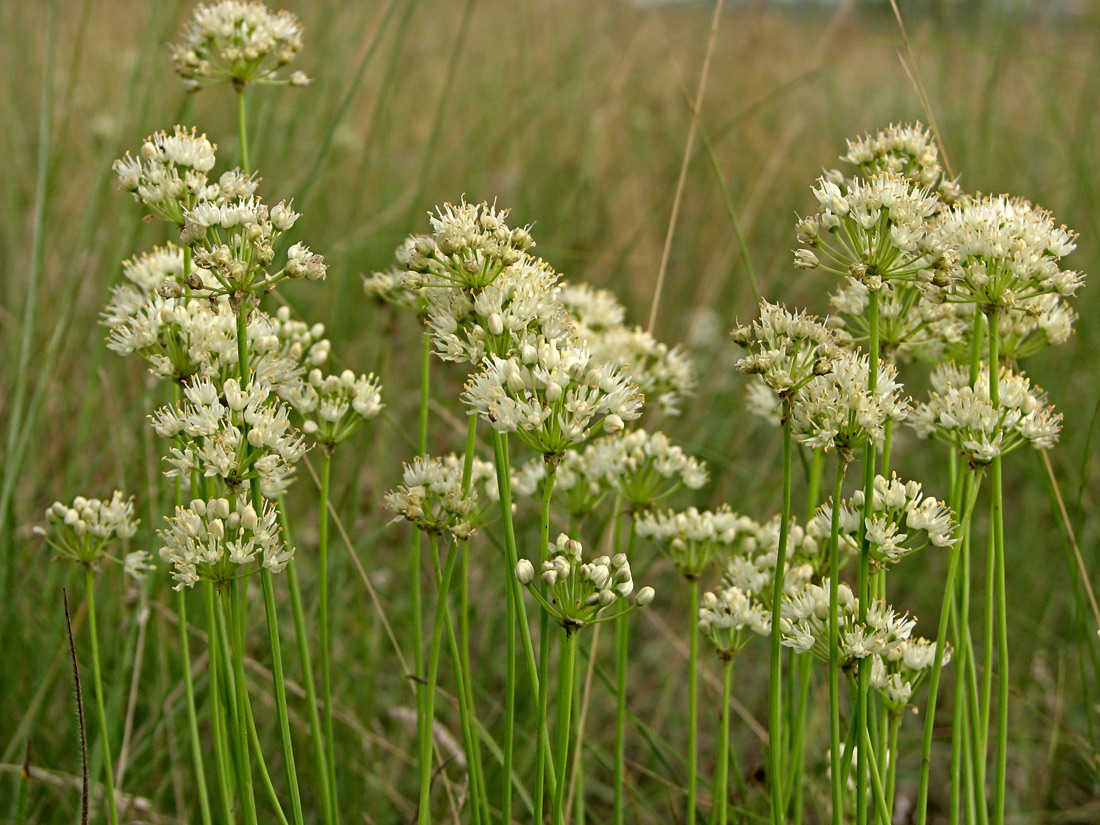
574	114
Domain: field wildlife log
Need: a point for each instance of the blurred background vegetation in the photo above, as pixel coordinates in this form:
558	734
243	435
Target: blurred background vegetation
574	114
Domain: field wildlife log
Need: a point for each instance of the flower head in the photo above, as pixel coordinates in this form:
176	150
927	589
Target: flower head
82	531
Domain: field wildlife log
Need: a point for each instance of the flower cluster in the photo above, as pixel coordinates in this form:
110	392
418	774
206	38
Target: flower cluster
896	506
898	672
433	496
804	625
726	615
787	350
552	396
335	406
238	41
82	531
839	410
577	591
907	150
664	374
645	467
231	432
964	416
690	538
217	541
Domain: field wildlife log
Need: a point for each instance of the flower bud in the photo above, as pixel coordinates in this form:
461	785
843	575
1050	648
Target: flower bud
525	571
645	596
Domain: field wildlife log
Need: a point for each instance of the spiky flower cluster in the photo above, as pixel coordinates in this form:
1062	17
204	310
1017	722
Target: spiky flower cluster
896	507
170	174
238	41
594	310
690	538
577	591
840	411
876	231
664	374
730	617
552	396
518	307
469	247
432	496
907	150
964	416
83	531
231	432
388	287
334	407
645	467
787	350
1009	254
804	625
896	674
218	542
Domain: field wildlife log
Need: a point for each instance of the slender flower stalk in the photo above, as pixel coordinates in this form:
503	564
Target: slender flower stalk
544	636
776	756
622	643
834	648
101	709
323	608
997	573
215	660
565	706
722	758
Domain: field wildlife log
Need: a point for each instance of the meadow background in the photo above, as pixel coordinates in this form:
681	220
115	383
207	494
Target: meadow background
575	115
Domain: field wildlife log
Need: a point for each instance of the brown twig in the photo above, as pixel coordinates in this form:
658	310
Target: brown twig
84	793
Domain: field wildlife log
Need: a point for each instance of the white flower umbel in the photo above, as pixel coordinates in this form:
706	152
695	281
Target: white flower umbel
1009	253
171	174
908	150
645	467
469	247
964	417
238	41
730	617
902	520
552	396
897	673
84	530
576	591
218	542
519	306
232	433
787	350
664	374
388	287
876	231
839	411
432	497
334	407
690	538
805	625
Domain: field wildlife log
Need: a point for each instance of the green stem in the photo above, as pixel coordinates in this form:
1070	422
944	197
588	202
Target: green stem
305	660
813	483
892	756
101	710
326	667
775	678
834	647
622	642
242	130
998	575
192	713
280	696
217	717
544	641
805	671
693	697
722	763
565	706
443	579
969	485
466	718
416	542
235	621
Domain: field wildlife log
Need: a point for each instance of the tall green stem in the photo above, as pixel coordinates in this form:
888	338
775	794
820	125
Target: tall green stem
622	643
544	638
443	580
996	517
417	539
280	696
242	130
101	709
326	667
192	713
722	763
777	776
693	697
235	621
565	706
215	658
834	647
